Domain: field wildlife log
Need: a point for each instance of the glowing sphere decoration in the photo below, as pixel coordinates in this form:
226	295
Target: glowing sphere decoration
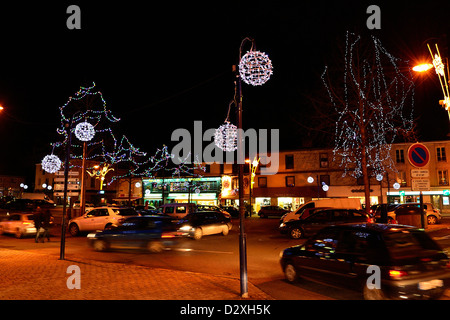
84	131
226	137
255	68
51	163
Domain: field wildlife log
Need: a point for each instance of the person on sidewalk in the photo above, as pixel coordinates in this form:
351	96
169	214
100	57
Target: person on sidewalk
38	222
46	224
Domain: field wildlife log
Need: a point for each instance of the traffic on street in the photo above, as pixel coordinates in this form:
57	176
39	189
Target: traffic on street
153	241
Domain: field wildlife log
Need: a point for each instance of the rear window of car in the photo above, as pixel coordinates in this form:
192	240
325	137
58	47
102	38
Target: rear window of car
407	244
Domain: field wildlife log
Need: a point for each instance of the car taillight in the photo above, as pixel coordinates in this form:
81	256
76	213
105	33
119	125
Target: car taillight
397	274
166	235
370	220
26	222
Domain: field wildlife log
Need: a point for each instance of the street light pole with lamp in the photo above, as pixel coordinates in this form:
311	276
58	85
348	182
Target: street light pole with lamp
254	68
444	77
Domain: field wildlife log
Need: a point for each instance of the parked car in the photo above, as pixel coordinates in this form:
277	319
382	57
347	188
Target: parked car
411	264
19	205
99	219
152	233
305	227
198	224
433	215
301	215
177	210
232	211
271	211
44	204
19	224
203	207
339	203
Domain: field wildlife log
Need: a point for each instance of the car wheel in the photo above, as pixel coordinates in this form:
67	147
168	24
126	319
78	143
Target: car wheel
431	219
101	245
262	215
290	273
225	230
296	233
198	233
155	246
373	294
74	230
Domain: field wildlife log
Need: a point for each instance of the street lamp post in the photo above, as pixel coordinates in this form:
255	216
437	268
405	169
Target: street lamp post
254	68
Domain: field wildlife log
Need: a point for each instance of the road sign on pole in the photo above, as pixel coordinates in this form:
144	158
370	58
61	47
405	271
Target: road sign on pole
418	155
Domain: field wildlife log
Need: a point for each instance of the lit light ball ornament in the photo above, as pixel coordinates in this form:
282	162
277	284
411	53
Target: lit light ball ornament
255	68
226	137
51	163
84	131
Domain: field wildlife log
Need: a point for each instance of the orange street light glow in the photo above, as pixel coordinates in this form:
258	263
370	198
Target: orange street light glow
423	67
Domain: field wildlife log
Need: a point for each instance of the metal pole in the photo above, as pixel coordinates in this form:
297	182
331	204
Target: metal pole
66	177
422	215
241	161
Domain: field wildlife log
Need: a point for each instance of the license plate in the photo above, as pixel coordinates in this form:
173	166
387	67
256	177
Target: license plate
428	285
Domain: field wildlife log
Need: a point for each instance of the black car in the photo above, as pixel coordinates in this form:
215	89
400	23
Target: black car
198	224
320	219
381	261
145	232
271	211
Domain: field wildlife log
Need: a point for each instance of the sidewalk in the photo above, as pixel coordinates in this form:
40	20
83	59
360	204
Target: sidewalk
36	276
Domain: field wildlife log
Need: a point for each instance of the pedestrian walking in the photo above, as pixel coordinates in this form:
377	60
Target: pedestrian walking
46	224
38	222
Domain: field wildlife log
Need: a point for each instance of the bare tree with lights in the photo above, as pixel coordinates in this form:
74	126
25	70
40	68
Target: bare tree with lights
373	97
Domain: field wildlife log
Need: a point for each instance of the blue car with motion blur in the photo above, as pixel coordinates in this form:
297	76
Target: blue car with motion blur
410	264
152	233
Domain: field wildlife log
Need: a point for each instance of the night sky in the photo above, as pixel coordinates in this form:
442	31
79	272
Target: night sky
161	67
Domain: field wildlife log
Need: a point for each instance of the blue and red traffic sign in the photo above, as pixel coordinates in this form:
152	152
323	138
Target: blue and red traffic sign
418	155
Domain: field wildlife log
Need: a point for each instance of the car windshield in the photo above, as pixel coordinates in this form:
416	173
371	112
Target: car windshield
407	244
125	212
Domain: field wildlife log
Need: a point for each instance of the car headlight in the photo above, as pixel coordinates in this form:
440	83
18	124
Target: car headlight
91	235
185	228
282	225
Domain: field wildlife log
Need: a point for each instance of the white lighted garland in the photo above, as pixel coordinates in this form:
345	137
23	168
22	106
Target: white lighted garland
226	137
255	68
84	131
51	163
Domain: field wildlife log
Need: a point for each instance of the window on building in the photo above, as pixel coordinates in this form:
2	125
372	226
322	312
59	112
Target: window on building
399	156
323	158
262	182
443	177
402	176
440	152
289	161
290	181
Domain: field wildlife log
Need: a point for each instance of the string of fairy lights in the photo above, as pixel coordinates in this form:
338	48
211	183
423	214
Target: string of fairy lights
372	106
93	127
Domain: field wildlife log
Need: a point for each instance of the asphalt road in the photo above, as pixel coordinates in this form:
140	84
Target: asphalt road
216	254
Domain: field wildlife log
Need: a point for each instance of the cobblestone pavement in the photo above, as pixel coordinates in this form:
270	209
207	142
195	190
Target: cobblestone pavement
35	276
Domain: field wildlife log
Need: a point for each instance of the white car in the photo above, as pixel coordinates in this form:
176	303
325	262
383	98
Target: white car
19	224
433	214
99	219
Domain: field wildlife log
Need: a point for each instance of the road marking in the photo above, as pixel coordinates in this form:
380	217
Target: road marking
196	250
